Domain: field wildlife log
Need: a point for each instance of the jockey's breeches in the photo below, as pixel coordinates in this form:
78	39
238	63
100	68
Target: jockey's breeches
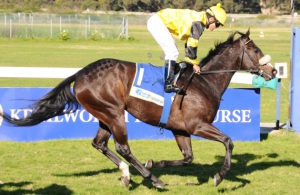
163	37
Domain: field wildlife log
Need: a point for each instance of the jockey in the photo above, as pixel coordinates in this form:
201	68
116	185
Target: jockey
187	25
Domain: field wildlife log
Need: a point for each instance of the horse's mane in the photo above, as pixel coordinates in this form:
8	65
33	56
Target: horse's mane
219	47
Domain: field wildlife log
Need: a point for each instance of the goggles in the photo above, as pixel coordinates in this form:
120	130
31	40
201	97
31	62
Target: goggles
217	23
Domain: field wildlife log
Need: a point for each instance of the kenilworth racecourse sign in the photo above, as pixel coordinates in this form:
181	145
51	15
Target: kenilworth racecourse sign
238	117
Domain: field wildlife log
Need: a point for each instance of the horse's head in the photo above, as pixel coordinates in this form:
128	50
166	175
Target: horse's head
253	59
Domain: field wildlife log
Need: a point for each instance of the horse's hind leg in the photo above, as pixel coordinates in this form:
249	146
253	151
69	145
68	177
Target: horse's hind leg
183	140
118	129
100	143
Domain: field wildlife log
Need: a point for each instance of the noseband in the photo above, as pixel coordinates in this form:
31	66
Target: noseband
256	62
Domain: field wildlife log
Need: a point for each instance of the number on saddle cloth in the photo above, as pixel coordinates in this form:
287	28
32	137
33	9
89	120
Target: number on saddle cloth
149	82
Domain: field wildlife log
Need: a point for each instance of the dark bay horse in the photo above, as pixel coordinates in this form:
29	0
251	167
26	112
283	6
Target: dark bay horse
102	88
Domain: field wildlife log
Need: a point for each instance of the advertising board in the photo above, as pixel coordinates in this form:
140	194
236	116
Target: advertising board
238	117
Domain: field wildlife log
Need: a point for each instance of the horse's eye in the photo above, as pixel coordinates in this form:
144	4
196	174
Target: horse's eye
256	50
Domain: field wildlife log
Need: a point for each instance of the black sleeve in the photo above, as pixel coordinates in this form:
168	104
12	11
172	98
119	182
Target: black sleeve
192	43
197	30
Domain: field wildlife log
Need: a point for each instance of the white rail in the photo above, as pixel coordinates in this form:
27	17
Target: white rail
34	72
41	72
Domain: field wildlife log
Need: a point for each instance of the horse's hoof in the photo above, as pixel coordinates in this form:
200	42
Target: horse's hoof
125	181
159	185
217	179
149	164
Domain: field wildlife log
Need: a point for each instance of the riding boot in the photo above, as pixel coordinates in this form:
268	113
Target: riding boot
169	76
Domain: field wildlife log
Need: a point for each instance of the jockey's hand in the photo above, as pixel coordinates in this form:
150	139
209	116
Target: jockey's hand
197	69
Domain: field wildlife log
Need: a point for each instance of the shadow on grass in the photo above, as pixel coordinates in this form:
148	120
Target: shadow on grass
240	167
243	167
263	137
133	185
52	189
87	173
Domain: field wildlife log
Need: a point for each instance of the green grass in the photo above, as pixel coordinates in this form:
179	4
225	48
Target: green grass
74	166
65	167
79	53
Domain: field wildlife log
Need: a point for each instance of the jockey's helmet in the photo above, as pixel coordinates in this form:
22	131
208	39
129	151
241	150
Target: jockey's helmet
218	12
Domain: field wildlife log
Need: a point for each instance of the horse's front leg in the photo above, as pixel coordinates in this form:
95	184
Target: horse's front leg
183	140
210	132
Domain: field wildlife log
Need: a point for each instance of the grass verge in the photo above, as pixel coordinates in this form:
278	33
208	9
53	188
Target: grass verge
74	167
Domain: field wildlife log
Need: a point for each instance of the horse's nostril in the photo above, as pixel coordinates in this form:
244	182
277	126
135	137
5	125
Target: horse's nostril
274	71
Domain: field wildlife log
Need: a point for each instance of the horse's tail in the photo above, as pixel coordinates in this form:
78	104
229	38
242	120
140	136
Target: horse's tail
58	101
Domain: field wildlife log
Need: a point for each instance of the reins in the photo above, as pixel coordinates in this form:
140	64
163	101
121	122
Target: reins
233	71
228	71
187	83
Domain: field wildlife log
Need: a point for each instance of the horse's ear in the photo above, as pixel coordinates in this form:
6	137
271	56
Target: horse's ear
247	33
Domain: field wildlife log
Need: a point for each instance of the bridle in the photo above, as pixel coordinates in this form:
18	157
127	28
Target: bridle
254	61
245	50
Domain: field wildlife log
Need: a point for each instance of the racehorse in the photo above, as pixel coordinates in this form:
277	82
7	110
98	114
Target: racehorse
102	88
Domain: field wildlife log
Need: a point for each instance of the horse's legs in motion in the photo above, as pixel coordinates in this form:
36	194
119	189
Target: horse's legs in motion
183	140
208	131
118	129
122	147
100	143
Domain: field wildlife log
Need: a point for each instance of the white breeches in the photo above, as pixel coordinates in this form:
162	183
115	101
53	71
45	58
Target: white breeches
163	37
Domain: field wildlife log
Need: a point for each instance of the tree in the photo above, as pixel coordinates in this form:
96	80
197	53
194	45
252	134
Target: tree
228	6
150	5
168	4
270	7
183	4
212	2
128	5
93	5
76	6
199	5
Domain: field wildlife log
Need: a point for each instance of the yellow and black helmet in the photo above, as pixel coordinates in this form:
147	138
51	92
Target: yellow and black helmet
218	12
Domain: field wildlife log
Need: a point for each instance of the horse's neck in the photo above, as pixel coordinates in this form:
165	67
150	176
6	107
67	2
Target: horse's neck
228	60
